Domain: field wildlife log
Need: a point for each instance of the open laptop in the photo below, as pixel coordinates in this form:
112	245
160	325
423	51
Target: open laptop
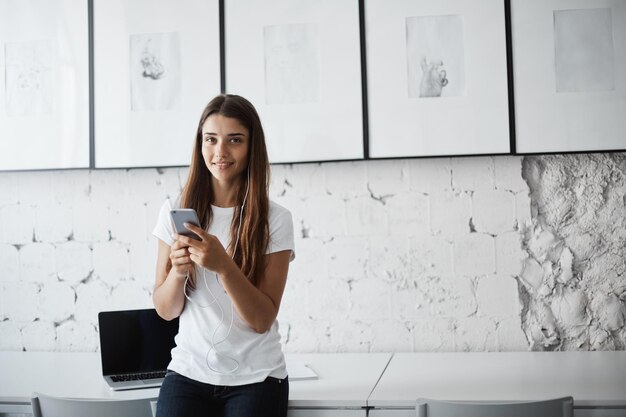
135	347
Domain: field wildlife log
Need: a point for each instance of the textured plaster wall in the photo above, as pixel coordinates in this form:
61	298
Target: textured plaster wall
486	253
572	284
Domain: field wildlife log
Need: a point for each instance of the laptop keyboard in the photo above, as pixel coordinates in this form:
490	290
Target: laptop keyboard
137	377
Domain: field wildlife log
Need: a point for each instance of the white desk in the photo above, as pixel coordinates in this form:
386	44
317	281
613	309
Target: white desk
343	385
596	380
351	385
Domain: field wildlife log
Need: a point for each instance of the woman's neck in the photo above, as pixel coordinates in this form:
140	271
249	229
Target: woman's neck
225	195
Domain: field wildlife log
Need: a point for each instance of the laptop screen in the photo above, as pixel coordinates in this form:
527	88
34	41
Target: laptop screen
134	341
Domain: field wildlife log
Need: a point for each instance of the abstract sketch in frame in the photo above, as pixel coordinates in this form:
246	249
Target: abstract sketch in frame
299	63
156	65
569	71
44	84
436	78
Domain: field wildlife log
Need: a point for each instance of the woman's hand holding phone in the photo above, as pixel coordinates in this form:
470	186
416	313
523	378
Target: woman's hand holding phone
179	253
207	252
181	262
195	245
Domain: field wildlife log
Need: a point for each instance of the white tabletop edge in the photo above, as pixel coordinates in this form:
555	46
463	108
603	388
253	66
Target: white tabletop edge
379	378
344	379
593	379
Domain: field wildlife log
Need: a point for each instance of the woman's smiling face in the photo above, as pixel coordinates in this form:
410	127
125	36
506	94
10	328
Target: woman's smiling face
225	148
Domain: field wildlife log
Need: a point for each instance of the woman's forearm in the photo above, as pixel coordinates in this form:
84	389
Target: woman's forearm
169	298
255	307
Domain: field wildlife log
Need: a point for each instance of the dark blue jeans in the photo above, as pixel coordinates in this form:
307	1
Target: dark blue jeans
183	397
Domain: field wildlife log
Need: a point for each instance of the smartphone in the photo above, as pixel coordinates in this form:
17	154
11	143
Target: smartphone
182	216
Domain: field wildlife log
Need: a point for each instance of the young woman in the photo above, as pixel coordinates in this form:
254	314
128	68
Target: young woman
226	287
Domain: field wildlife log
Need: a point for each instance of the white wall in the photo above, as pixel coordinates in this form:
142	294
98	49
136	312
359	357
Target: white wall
484	253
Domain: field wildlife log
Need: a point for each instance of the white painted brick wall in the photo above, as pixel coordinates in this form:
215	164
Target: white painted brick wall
430	175
348	257
11	332
494	295
56	301
475	334
387	178
408	214
10	186
304	180
10	261
391	335
509	253
36	188
508	174
471	174
389	259
370	299
53	222
493	211
37	262
311	261
21	302
450	213
449	296
142	258
434	335
74	261
325	215
365	216
431	256
110	262
399	255
345	179
74	336
17	223
39	336
90	221
130	294
357	335
510	335
474	254
92	297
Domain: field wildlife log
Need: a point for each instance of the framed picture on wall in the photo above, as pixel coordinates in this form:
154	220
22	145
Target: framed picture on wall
436	78
569	71
299	63
44	84
156	65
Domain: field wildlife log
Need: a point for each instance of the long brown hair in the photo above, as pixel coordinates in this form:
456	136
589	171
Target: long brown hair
198	192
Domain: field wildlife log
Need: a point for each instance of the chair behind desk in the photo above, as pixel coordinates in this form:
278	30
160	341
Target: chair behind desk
558	407
46	406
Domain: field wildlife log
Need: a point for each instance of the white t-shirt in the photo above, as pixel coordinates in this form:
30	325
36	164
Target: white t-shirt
212	339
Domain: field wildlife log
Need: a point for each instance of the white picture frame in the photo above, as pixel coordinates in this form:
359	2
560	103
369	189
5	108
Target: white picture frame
437	78
44	84
299	63
569	71
156	66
